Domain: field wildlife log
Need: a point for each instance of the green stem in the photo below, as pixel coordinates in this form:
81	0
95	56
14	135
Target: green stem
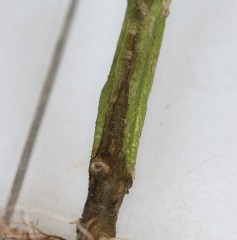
121	115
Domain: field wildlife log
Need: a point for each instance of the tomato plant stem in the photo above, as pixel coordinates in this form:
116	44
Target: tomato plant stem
121	115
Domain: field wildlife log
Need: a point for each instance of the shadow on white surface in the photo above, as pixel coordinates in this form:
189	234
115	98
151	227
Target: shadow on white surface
28	33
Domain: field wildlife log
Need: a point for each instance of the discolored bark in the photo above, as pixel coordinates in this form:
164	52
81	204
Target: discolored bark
121	116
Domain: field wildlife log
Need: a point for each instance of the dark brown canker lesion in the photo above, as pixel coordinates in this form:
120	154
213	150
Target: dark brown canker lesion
135	57
109	179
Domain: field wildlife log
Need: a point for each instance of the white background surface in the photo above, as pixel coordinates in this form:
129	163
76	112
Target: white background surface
28	33
186	184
